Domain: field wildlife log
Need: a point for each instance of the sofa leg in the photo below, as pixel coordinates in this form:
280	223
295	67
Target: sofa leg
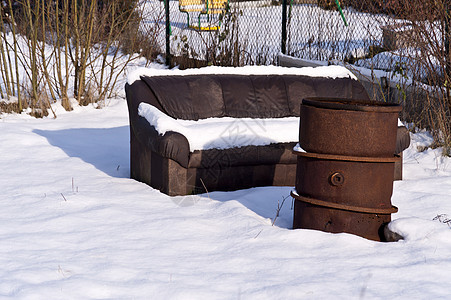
170	177
178	179
398	168
284	175
140	160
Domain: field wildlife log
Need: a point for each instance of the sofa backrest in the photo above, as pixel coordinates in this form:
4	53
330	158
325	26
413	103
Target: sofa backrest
188	97
301	87
254	96
193	97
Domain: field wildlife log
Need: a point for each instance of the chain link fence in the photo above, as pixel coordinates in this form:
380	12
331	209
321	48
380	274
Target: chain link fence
247	32
251	32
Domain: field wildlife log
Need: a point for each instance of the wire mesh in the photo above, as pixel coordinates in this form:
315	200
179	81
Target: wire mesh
245	32
250	32
231	32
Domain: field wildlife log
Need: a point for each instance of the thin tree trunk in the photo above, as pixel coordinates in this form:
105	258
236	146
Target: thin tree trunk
13	27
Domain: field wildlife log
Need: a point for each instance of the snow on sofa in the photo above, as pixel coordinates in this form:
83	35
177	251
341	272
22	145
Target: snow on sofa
224	128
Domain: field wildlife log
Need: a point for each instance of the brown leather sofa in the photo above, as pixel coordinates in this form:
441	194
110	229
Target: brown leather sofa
165	161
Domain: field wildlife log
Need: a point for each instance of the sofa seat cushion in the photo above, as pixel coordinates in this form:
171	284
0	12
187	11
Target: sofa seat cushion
280	153
223	133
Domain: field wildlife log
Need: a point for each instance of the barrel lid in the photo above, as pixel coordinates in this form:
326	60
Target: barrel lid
352	104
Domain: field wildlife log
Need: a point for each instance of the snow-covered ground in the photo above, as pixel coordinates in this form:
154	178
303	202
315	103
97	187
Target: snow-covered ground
74	226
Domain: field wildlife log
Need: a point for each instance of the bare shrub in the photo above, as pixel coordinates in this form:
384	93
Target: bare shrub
65	44
226	48
430	22
420	43
8	107
221	47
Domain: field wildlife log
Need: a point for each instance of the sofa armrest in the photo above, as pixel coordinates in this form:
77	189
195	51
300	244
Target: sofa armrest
402	139
171	145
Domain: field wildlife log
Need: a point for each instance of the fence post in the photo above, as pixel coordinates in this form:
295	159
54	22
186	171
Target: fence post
284	27
447	45
168	33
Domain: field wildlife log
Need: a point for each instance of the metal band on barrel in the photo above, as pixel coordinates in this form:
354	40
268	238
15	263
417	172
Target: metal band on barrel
392	159
381	211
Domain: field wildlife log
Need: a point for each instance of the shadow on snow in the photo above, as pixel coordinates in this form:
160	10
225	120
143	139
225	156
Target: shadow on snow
107	149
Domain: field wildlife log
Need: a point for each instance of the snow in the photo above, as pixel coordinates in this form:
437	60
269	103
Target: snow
322	71
298	148
414	228
226	132
73	225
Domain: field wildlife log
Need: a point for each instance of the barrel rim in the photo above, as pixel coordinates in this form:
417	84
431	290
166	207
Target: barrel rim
352	104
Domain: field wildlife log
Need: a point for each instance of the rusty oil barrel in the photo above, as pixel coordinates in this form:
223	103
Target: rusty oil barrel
344	180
